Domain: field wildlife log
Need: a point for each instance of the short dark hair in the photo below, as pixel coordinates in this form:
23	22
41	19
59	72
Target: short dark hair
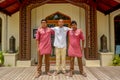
43	20
73	22
60	19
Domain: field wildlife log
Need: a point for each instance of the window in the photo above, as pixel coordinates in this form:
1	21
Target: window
52	20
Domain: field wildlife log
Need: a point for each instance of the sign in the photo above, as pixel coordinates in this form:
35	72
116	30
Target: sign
34	33
117	49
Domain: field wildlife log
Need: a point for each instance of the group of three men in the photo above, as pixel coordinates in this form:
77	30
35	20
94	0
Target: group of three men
43	37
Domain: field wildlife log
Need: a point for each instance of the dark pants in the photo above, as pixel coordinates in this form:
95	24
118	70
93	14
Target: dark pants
80	65
47	63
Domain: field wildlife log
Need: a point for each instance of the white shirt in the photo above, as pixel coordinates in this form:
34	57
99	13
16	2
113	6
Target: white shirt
60	36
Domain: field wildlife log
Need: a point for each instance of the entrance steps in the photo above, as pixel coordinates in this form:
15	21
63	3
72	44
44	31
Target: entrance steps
92	63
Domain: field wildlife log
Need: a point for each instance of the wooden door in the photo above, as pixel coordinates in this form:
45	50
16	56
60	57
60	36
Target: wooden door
52	21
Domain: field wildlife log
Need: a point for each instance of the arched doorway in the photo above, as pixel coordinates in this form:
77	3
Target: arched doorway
117	34
52	21
0	34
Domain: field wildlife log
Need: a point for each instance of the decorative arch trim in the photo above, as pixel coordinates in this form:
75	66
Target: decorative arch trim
25	28
58	15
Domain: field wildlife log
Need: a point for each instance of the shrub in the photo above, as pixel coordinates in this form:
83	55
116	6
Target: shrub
1	58
116	60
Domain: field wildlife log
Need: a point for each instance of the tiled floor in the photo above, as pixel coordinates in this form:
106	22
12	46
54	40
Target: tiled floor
27	73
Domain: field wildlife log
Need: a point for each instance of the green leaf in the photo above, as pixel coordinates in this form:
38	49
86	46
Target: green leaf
1	58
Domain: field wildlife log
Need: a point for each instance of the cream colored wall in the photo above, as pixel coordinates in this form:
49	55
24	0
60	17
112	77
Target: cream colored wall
105	24
13	28
10	26
102	28
74	12
33	41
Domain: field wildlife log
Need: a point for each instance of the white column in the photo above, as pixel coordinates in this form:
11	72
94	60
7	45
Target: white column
4	32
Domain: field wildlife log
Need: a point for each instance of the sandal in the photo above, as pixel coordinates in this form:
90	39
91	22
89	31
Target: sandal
70	74
63	71
84	74
37	74
48	73
56	73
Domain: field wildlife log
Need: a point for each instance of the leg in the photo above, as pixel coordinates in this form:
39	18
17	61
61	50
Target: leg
81	66
47	64
39	65
63	56
72	63
71	66
57	50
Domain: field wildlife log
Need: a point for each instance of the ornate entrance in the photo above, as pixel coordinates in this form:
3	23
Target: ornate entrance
25	27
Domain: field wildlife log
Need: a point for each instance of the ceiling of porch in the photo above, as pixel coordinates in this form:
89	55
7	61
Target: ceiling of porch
9	7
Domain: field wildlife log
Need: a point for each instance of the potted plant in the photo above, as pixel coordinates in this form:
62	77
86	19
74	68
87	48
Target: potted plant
116	60
1	58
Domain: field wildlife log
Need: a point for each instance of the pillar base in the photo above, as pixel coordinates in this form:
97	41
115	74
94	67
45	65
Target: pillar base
106	58
26	63
92	63
10	59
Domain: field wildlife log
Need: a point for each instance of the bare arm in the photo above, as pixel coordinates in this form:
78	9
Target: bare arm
82	45
38	42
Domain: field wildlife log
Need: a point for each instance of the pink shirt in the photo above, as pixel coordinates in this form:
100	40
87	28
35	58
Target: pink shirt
44	36
74	48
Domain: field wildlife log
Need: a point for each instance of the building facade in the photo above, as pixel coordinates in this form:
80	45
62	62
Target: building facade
22	27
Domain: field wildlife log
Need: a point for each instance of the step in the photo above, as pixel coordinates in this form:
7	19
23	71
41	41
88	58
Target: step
92	63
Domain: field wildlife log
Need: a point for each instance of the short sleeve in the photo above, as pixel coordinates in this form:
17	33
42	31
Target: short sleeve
82	37
68	28
37	35
53	28
52	32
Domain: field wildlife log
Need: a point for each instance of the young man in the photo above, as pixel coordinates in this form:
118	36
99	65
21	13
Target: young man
75	50
43	37
60	46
